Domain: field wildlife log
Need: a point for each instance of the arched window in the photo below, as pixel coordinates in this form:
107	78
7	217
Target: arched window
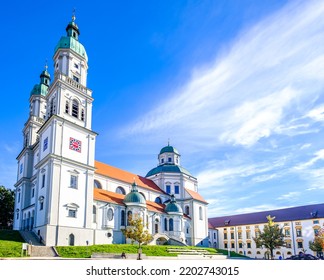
171	224
97	184
122	218
129	216
143	195
71	239
75	108
94	213
187	210
200	213
120	190
165	224
158	200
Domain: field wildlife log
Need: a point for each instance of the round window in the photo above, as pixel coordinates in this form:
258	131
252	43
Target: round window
110	214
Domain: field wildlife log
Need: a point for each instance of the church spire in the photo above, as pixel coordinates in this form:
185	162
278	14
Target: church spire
72	30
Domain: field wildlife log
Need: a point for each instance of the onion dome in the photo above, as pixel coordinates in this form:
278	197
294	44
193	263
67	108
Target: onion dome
134	197
71	41
169	149
42	87
173	207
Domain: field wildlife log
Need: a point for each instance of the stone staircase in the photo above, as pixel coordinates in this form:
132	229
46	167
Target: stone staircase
36	248
185	253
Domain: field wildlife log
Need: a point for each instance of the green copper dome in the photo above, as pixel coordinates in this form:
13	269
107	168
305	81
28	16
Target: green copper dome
134	197
168	168
73	44
173	206
71	40
42	87
169	149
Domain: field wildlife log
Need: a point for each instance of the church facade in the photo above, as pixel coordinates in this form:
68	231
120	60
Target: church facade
66	197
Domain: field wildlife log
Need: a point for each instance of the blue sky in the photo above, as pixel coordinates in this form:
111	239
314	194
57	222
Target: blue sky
237	87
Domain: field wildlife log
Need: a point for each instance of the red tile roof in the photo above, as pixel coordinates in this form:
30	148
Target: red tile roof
107	196
196	195
125	176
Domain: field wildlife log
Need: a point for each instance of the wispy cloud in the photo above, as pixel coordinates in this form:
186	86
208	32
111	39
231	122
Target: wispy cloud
249	91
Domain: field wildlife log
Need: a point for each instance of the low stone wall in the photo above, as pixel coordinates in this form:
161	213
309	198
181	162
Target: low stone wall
116	256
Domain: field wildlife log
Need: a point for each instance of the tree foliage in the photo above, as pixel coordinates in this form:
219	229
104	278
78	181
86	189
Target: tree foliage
7	203
271	237
317	245
136	231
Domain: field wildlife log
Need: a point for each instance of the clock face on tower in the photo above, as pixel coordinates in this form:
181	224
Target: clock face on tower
75	145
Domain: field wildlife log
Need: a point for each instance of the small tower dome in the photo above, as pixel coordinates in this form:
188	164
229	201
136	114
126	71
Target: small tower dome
134	197
173	207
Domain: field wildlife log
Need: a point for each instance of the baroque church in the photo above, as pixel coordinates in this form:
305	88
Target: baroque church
66	197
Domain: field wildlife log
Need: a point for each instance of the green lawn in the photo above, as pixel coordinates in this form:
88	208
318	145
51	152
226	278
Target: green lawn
10	243
153	250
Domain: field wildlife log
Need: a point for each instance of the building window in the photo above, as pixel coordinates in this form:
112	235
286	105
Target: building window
239	235
257	234
287	232
176	189
18	197
168	189
200	213
187	210
122	218
120	190
67	107
97	184
288	245
43	181
165	224
129	216
72	213
45	144
300	244
248	235
315	222
248	245
240	245
74	181
171	224
82	115
169	159
110	214
298	232
225	245
76	66
21	168
162	160
158	200
225	235
41	205
33	192
75	108
94	214
75	78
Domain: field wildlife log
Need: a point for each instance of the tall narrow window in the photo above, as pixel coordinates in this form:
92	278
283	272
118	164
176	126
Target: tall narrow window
122	218
168	189
75	108
51	107
176	189
165	224
67	107
187	210
171	224
43	181
200	213
82	115
74	182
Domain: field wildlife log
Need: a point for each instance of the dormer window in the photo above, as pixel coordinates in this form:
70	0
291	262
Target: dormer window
169	159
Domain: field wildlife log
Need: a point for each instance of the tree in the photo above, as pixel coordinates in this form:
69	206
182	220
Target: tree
317	245
7	204
137	233
271	237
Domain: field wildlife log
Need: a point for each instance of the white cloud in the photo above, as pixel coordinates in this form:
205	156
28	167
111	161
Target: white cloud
317	113
289	196
270	70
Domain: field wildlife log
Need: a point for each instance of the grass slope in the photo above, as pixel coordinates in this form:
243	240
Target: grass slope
10	243
153	250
